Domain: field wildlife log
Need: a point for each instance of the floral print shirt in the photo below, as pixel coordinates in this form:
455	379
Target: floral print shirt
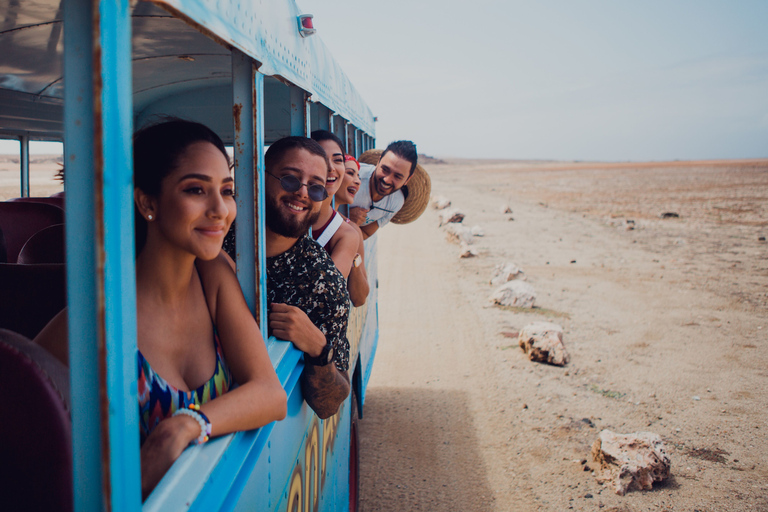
306	277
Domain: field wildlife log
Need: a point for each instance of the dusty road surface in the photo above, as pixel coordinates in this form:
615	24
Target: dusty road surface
666	324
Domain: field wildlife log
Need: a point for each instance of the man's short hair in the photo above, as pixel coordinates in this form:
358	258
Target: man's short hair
277	150
406	150
321	135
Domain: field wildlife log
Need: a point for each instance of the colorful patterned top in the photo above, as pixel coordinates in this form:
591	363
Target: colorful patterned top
158	399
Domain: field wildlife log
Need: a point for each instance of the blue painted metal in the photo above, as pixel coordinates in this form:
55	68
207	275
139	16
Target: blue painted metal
261	245
24	164
81	255
307	116
244	137
119	285
298	112
100	274
267	31
346	136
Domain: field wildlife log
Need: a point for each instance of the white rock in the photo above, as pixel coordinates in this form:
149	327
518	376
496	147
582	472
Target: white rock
458	233
505	209
467	251
630	461
440	202
543	342
504	272
514	293
477	231
450	215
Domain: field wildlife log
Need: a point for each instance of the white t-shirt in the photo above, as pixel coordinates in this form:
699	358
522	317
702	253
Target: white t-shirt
381	211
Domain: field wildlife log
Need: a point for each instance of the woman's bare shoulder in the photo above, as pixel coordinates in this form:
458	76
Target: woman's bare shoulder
350	229
216	274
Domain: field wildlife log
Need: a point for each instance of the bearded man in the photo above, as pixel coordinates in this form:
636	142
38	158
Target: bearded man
307	295
380	196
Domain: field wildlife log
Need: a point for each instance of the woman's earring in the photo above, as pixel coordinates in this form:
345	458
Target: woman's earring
150	217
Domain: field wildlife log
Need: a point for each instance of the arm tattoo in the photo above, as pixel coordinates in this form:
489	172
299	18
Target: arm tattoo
324	388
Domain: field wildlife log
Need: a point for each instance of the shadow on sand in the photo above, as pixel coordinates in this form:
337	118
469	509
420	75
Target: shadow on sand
418	451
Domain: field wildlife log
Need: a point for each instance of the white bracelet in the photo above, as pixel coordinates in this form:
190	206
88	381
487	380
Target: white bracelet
202	420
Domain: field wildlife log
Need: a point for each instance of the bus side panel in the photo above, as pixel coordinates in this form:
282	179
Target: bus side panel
264	488
369	334
305	462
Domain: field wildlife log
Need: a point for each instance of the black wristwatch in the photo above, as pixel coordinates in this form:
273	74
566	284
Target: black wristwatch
325	357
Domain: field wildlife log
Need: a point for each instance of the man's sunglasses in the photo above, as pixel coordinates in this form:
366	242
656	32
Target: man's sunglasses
291	183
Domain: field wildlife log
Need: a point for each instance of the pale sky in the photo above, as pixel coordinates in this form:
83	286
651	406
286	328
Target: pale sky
558	79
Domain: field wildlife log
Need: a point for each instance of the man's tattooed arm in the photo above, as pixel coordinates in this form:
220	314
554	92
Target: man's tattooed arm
324	388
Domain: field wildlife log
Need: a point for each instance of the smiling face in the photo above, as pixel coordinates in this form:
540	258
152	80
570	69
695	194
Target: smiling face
336	156
290	214
196	204
350	184
391	173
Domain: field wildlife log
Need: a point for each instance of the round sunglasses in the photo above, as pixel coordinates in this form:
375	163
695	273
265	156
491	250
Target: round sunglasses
291	183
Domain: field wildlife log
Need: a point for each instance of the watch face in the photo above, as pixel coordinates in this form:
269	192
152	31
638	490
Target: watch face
330	355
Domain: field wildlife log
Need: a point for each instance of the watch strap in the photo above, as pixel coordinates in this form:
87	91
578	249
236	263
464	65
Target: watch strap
325	357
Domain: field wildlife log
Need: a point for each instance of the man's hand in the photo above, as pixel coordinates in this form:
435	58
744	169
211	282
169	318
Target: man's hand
357	215
292	324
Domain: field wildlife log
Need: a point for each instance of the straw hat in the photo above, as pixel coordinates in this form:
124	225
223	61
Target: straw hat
416	192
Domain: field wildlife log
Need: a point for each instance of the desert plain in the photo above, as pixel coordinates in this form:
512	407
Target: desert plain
665	320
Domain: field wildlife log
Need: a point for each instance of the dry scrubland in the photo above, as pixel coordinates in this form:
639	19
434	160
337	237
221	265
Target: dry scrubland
42	169
665	323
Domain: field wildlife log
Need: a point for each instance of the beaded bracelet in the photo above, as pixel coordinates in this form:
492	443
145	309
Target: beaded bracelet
205	425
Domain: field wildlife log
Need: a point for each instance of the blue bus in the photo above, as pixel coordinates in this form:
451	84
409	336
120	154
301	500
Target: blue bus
87	73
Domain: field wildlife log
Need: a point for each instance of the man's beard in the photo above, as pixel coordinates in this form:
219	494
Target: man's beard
289	227
378	182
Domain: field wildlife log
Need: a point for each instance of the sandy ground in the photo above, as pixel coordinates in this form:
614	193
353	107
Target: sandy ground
42	170
666	326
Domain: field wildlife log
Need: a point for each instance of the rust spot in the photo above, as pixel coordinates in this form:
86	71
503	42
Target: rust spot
98	207
237	110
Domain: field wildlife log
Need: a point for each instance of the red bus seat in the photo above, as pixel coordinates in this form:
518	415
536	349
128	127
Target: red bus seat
3	252
45	246
54	200
20	220
30	295
36	431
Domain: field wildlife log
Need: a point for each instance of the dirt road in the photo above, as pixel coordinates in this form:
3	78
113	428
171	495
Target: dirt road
666	325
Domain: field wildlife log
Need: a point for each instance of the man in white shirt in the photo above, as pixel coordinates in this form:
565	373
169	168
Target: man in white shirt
380	197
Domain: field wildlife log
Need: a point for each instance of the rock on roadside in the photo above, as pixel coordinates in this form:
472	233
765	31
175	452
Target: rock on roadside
440	202
458	233
517	294
450	215
504	272
468	251
477	231
630	461
543	342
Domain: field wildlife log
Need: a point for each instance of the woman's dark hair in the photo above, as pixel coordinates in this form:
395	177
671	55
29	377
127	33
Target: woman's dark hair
156	152
321	135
